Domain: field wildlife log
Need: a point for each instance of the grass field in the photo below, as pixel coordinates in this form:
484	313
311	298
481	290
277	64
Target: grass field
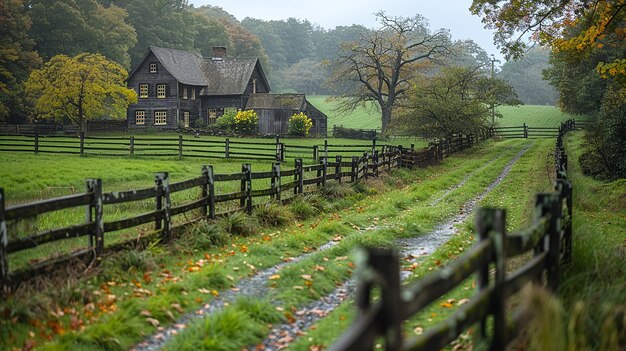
369	118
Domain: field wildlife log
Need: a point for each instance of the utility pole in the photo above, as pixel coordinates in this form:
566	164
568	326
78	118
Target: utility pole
493	104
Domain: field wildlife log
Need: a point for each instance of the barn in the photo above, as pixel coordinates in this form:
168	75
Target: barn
274	111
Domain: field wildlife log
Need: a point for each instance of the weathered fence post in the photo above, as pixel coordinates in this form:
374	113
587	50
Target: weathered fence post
373	145
315	152
227	148
278	158
353	170
162	178
548	204
525	131
246	187
381	268
299	177
82	143
4	241
132	145
158	185
204	188
338	168
491	224
211	191
282	152
278	181
94	215
180	146
324	170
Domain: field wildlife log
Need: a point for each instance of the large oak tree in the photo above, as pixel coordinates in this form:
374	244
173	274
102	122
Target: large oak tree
381	63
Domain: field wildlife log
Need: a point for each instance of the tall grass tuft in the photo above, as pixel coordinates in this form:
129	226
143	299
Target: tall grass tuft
238	223
272	215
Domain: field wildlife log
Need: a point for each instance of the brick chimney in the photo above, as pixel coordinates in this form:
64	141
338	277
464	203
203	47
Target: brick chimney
219	52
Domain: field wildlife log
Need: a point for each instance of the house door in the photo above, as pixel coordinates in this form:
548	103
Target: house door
186	119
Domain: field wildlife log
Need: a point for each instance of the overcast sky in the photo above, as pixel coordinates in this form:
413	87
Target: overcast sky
451	14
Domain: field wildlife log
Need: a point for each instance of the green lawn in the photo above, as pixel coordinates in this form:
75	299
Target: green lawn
369	118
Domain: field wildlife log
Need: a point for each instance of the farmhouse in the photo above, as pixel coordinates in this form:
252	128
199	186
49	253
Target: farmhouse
179	88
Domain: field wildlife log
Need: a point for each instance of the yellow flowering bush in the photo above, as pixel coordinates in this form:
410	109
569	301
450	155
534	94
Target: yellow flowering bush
300	124
246	122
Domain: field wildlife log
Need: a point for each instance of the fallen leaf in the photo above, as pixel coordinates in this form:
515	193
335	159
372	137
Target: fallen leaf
154	322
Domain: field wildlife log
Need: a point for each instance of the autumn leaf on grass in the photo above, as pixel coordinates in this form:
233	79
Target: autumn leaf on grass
446	305
155	322
274	277
319	268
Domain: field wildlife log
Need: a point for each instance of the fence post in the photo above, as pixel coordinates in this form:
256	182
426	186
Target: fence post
314	152
497	234
548	203
525	131
227	148
298	177
36	138
180	146
132	145
382	269
164	202
246	187
82	143
353	169
375	162
278	181
211	191
95	215
278	148
282	152
365	165
4	242
324	170
373	144
338	168
484	224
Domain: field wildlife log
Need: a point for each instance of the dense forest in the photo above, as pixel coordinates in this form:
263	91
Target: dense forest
295	53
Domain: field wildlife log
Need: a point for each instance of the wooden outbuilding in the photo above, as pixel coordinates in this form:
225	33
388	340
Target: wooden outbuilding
274	111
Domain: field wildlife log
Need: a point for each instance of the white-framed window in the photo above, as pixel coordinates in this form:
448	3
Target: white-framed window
186	119
160	117
212	116
153	67
193	93
185	93
160	91
143	91
140	117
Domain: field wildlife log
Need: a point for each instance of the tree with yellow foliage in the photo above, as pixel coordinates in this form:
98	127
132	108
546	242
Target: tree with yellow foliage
86	86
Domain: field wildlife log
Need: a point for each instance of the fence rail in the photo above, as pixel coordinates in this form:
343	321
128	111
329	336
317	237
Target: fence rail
283	182
549	237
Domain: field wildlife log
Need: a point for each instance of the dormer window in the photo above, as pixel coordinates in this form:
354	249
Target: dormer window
153	67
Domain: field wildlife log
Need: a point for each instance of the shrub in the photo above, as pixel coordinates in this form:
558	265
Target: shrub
334	190
272	215
199	123
300	124
301	209
227	121
246	122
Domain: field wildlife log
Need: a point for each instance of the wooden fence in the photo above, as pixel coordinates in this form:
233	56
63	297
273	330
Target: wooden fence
527	132
549	238
283	182
58	128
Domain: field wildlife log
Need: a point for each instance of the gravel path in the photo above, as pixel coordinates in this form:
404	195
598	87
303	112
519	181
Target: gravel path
282	335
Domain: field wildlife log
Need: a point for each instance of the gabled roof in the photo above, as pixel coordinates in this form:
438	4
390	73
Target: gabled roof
218	77
228	76
185	66
276	101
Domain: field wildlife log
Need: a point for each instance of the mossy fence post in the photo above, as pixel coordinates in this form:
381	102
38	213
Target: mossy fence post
338	168
550	205
94	215
246	188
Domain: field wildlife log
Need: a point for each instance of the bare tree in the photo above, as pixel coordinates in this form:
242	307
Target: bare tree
381	63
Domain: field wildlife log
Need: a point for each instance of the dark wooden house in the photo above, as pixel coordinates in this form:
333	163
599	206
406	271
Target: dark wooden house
274	111
177	88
